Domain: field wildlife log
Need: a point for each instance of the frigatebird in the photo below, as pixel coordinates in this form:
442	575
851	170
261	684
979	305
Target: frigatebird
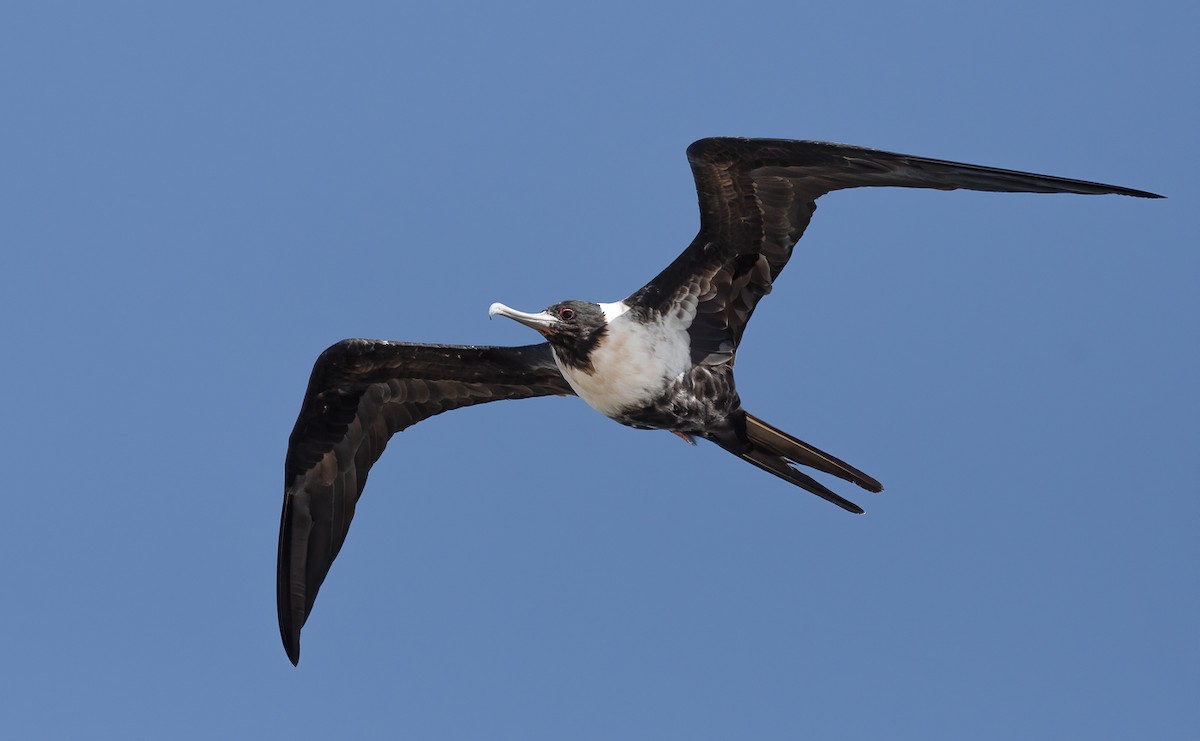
660	359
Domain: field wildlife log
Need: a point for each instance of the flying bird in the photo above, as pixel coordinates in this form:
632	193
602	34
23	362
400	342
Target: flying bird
661	359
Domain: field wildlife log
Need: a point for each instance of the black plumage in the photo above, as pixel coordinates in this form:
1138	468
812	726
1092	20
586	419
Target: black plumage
661	359
361	393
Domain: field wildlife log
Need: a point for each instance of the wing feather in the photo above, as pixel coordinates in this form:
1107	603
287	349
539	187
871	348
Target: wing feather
360	394
756	199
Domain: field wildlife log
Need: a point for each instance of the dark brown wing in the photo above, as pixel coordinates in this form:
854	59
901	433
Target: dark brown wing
360	394
756	198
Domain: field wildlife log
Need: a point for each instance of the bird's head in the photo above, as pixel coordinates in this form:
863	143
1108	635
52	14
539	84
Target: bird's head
573	328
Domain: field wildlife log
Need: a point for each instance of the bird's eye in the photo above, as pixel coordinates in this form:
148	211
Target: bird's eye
566	314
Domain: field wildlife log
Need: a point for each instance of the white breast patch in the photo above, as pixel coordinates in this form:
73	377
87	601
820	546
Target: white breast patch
634	362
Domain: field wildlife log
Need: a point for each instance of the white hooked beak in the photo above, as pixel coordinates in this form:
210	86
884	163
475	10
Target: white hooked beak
542	321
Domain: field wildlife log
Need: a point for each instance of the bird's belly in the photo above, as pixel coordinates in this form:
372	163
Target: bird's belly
632	368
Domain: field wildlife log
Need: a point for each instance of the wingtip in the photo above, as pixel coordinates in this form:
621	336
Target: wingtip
1134	192
291	644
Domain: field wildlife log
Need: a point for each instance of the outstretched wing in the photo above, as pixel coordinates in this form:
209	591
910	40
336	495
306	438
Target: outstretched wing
756	199
361	393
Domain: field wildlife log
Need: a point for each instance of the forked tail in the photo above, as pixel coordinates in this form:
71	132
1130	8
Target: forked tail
772	450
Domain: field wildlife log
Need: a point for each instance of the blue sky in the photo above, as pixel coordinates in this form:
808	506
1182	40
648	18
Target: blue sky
199	199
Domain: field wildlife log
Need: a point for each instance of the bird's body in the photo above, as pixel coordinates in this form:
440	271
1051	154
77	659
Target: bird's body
662	358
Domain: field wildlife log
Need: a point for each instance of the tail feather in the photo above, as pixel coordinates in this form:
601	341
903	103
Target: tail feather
775	464
774	451
764	436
